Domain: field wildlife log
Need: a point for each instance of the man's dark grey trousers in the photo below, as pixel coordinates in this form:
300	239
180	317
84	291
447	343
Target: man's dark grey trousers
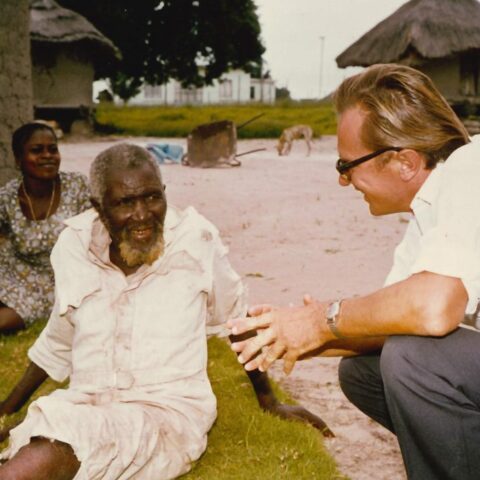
427	391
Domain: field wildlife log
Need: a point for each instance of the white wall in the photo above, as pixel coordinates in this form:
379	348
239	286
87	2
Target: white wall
264	90
233	87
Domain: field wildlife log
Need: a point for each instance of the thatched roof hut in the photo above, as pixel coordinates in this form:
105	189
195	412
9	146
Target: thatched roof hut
439	37
52	25
68	54
418	31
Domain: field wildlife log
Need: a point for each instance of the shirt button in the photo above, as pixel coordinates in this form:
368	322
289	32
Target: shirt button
125	380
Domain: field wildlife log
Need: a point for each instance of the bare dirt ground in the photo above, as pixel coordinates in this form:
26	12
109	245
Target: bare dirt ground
292	229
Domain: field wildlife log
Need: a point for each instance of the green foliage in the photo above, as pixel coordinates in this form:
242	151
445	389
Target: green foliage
193	41
13	362
282	93
124	86
167	121
245	443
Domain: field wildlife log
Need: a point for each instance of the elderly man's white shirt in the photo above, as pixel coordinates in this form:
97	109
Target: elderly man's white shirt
443	235
140	338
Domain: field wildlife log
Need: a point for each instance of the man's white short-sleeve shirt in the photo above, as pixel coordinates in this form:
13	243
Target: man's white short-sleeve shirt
443	235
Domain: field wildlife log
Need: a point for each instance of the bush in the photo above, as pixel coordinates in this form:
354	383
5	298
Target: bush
168	121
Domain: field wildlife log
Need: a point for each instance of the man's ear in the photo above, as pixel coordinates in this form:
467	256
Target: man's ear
410	164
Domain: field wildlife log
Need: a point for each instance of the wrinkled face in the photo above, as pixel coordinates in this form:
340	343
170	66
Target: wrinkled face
41	158
378	182
134	208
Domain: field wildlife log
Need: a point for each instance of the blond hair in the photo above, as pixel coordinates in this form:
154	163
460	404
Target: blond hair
403	109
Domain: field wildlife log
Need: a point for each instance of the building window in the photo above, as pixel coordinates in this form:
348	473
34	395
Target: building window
252	93
148	91
188	96
153	91
225	88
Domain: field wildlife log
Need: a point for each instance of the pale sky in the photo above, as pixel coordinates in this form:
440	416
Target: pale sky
292	31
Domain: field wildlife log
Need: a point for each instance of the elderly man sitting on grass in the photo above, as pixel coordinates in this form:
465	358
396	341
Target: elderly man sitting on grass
137	287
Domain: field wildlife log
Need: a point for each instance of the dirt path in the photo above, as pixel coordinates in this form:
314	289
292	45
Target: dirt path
292	230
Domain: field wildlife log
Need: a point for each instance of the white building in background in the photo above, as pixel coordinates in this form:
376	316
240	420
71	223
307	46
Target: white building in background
235	86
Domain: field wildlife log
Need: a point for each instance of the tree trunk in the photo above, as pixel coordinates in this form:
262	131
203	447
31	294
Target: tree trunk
16	97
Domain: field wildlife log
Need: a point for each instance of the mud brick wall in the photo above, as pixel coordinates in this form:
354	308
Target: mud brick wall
15	78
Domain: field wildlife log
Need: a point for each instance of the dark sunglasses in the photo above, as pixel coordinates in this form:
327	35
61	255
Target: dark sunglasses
343	166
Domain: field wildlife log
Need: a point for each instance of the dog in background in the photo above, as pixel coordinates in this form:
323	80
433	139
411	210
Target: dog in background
294	133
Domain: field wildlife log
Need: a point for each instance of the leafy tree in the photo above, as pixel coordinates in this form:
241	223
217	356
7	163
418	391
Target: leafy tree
124	86
193	41
282	93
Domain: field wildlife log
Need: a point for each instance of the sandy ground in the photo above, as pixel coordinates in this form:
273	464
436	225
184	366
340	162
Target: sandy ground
292	230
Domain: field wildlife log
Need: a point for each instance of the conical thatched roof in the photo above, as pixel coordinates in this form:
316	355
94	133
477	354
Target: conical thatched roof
50	23
418	30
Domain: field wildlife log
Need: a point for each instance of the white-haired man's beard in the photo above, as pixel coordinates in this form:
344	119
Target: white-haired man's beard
134	256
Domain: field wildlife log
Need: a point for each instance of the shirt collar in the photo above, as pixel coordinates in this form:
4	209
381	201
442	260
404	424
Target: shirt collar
429	190
423	201
173	219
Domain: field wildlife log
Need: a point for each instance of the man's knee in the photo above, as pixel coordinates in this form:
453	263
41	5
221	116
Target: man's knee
403	361
395	352
347	374
42	459
354	373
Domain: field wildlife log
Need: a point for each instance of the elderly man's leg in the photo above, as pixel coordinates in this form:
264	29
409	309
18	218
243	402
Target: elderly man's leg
41	459
361	382
10	320
432	390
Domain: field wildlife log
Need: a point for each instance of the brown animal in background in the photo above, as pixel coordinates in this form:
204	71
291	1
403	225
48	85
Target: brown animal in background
294	133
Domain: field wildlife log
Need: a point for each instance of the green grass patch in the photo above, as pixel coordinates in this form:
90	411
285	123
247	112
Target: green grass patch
13	362
245	443
169	121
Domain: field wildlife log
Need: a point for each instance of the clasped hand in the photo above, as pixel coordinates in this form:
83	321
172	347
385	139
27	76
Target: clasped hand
287	333
5	426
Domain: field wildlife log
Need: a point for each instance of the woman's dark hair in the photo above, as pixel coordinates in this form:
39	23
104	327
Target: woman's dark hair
23	134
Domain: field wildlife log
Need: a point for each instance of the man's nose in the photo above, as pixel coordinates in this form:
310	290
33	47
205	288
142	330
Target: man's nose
140	211
344	180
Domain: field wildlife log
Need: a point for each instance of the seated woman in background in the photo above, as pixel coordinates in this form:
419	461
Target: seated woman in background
32	209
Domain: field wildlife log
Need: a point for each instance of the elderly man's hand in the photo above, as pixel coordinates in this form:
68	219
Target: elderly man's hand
5	424
286	333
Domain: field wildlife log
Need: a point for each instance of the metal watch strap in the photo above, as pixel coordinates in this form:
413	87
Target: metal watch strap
333	311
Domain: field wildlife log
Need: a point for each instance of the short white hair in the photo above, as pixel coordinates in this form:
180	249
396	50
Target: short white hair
122	156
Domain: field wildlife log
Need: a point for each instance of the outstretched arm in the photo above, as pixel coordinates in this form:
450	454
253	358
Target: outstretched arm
426	304
269	402
227	299
33	377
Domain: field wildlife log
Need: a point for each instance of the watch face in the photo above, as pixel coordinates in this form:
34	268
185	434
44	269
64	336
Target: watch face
333	310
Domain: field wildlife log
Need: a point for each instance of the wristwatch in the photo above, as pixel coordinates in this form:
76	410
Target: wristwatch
333	311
